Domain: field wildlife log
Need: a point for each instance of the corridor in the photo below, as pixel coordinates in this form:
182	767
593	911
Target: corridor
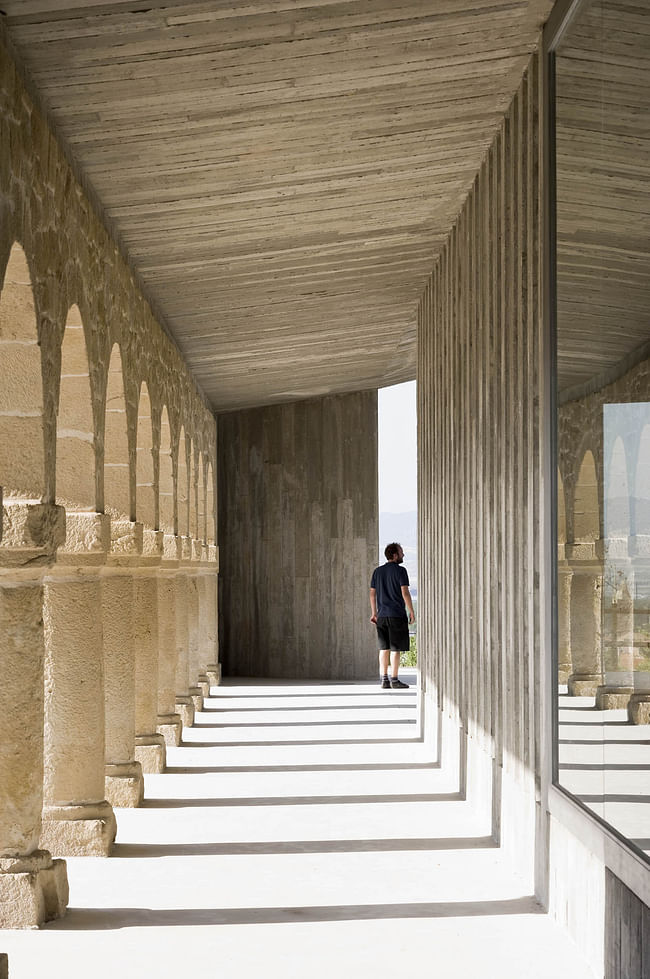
300	829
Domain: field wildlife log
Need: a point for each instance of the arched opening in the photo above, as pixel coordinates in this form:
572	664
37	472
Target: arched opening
200	507
184	448
75	442
193	484
145	494
166	477
22	458
586	524
210	506
117	496
617	495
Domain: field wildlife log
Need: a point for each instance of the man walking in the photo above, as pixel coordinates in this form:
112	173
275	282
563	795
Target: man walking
390	599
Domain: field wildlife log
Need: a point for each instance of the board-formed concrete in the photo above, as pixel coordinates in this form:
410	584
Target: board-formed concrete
298	496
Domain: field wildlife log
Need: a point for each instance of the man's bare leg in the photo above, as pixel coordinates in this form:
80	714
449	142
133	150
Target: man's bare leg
394	663
383	662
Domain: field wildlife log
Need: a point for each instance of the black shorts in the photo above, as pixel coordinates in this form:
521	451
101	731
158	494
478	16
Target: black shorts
393	633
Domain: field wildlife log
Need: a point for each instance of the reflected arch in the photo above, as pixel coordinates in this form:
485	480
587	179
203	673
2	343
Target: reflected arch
586	507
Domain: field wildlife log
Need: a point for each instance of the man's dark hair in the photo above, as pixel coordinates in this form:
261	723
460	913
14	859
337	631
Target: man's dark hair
391	550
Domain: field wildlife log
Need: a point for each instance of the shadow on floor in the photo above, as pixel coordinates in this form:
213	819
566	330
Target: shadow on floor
293	710
147	850
79	919
274	744
360	767
300	800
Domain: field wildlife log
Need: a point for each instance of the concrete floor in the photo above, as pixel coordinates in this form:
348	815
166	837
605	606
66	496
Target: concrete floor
300	830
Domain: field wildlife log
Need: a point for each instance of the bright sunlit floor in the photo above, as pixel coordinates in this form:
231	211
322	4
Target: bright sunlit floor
301	830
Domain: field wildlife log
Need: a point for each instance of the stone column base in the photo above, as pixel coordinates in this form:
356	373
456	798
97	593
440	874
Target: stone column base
204	684
213	673
124	784
185	707
584	684
638	708
170	726
150	752
196	696
613	698
33	889
79	831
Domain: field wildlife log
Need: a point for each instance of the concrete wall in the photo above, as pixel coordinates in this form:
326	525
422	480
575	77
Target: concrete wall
298	499
483	637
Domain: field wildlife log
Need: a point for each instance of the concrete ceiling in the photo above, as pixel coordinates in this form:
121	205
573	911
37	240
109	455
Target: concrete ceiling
280	173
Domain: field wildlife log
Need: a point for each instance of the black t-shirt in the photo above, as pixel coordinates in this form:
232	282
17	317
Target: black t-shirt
388	580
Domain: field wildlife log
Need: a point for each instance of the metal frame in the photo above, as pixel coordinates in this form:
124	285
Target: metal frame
616	851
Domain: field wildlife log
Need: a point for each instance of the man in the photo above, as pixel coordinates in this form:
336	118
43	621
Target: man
389	600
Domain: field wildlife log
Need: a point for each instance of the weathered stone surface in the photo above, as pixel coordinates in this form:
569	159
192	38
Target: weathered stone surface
32	891
170	726
124	784
86	830
150	753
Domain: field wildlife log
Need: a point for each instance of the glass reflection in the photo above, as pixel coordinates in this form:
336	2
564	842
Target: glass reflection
602	72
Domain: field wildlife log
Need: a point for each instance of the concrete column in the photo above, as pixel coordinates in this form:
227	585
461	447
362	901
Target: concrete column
77	819
564	617
124	781
33	887
585	561
618	631
149	743
169	723
184	702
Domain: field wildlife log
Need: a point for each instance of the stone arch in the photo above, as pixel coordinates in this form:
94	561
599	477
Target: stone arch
117	496
166	476
193	483
75	438
144	464
210	506
617	494
22	449
183	483
200	509
586	511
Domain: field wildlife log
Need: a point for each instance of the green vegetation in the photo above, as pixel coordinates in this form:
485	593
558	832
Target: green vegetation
410	658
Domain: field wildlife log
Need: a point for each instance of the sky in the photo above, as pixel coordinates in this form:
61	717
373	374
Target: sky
397	449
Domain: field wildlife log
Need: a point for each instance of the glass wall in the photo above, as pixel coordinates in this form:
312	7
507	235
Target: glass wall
602	178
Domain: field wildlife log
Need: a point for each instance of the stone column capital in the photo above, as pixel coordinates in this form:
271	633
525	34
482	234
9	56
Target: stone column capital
586	556
32	532
87	540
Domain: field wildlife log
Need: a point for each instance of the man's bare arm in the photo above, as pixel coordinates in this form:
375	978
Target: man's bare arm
406	595
373	604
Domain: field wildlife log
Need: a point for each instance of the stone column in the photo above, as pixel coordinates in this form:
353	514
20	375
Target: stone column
618	628
124	781
195	690
77	819
638	708
586	563
564	575
33	887
149	743
208	598
169	724
184	702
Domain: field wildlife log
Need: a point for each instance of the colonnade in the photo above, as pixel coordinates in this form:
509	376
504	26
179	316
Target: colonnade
108	580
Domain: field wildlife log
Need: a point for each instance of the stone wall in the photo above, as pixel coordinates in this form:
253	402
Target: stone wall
299	524
108	555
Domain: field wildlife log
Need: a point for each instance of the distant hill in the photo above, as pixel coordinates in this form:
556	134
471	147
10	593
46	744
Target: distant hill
403	528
